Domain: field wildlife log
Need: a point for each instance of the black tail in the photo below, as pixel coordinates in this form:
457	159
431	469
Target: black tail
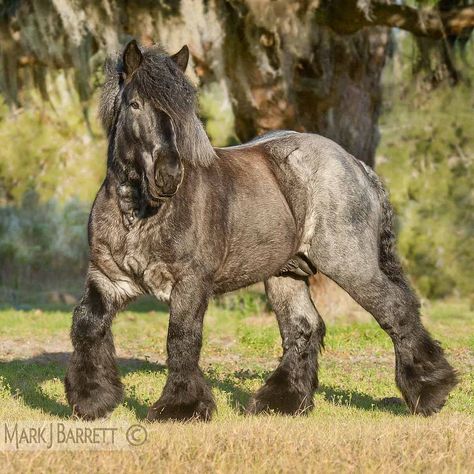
388	258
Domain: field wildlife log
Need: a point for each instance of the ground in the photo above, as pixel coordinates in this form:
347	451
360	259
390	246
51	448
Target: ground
358	423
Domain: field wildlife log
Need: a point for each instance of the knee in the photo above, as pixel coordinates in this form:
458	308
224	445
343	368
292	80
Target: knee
87	327
310	332
90	318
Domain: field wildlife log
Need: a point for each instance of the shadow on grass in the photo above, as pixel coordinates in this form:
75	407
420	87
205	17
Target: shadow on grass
238	397
362	401
25	378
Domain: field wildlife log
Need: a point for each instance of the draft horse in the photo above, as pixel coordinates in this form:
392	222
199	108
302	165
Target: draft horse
183	221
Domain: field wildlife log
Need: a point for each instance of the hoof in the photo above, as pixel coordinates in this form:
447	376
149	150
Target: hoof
280	398
425	385
94	391
198	411
93	400
430	397
183	399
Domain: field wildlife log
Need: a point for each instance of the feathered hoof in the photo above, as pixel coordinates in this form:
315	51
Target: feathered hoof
280	398
426	386
184	399
96	402
199	410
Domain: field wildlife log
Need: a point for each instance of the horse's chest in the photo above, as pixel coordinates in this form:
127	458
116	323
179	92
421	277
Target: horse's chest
145	267
159	281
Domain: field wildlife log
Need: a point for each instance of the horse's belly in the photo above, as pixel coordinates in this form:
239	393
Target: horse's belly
262	240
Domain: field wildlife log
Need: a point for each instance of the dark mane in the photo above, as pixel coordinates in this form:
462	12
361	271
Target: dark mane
160	81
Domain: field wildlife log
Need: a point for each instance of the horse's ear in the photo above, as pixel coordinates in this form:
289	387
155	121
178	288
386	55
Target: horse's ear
132	58
181	58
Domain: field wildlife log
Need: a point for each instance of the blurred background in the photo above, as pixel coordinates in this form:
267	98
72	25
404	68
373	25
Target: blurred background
389	81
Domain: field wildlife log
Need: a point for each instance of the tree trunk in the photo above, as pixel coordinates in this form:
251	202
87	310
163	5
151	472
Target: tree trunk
284	70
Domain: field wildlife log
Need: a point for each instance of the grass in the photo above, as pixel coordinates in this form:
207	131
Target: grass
355	427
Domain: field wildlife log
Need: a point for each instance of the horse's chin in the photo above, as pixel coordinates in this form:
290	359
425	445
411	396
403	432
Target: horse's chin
156	199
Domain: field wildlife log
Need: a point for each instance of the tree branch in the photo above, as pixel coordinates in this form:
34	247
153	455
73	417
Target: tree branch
432	22
346	17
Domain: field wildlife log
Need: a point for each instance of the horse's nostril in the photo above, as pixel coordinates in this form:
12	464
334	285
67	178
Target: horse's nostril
175	171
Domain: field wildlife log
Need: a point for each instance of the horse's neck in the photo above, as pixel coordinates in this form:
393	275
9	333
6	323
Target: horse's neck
124	186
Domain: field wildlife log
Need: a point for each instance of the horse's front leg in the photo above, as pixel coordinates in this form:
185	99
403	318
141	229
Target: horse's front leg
92	383
186	394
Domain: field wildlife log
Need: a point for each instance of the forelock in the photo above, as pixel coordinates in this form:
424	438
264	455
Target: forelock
159	80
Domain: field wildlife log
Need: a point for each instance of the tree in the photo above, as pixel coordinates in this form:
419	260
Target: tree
305	65
309	65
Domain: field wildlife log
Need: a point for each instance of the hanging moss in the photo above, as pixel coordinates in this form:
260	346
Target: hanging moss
40	36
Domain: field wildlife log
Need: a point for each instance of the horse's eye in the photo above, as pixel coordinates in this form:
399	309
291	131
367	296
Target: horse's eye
134	105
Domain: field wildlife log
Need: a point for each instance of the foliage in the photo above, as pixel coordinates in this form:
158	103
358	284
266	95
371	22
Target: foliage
216	112
426	156
51	165
42	242
49	147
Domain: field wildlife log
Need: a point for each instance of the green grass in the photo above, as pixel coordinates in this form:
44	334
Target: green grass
241	348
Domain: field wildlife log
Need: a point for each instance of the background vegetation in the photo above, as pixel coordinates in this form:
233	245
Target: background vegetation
426	156
53	161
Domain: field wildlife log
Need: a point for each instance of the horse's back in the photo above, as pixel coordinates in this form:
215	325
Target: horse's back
302	151
321	182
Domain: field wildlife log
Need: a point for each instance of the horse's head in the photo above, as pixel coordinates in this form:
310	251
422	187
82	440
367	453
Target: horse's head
148	110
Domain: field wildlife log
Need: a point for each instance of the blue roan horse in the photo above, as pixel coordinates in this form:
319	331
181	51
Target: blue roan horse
181	220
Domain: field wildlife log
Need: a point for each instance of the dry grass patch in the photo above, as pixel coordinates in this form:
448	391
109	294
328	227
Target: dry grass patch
278	444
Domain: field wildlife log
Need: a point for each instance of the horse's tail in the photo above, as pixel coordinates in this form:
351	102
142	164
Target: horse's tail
388	257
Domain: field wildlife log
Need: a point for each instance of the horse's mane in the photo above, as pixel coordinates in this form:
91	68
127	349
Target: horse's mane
159	80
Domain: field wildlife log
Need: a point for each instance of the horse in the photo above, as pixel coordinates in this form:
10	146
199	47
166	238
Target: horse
181	220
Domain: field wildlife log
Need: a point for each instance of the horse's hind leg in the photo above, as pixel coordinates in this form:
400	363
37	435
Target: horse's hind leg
423	375
353	243
378	284
291	387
